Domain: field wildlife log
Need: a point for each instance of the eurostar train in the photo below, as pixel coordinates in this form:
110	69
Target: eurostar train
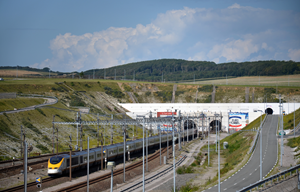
60	164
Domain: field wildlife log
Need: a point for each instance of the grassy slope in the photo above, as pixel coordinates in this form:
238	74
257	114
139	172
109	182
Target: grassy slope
289	119
10	104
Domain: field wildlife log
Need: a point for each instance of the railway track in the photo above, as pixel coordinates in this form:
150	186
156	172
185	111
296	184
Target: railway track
81	185
31	184
108	175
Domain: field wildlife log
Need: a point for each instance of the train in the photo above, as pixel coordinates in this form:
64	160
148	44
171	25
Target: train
60	164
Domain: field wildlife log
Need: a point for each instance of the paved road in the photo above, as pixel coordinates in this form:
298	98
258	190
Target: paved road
251	171
49	101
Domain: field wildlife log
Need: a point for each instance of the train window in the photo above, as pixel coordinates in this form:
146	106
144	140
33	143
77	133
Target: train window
91	157
81	159
55	159
98	155
74	160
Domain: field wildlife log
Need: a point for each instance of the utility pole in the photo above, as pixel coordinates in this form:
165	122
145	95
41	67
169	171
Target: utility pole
208	140
173	145
81	146
101	151
111	131
260	150
53	135
124	149
56	141
88	163
21	139
144	154
187	128
294	118
70	166
281	132
25	166
98	134
77	120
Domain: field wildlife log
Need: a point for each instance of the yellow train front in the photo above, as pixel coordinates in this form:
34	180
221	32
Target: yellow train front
56	164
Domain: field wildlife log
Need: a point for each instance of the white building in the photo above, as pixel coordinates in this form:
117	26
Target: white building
253	110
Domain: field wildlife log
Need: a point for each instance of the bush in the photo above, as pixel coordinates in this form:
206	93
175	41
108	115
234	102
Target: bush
148	93
30	126
72	84
206	88
166	95
113	92
40	111
76	101
183	170
42	148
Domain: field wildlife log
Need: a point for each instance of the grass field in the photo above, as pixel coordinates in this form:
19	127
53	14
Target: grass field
10	104
286	80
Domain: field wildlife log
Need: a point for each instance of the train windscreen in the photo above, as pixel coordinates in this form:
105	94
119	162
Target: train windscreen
55	159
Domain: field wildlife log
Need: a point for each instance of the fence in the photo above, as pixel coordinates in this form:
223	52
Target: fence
277	177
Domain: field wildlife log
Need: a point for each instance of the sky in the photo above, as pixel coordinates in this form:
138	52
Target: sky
73	35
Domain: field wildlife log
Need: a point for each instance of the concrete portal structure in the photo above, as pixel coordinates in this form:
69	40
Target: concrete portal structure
253	110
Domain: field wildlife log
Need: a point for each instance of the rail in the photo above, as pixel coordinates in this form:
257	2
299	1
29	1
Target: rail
156	176
277	177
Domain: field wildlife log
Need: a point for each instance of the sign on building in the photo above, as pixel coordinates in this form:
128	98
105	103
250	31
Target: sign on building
238	120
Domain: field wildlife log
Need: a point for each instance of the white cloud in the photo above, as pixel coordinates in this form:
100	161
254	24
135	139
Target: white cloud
294	54
234	6
236	50
236	33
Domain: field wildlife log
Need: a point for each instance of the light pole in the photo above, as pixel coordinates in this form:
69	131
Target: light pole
218	146
260	147
187	128
173	150
208	139
281	132
294	118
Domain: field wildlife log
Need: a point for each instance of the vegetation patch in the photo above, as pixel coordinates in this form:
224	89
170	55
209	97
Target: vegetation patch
76	101
41	111
165	95
289	119
42	148
184	169
30	126
114	92
206	88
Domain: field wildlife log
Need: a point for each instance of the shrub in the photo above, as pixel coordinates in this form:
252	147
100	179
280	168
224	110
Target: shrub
42	148
76	101
72	84
206	88
183	170
148	93
40	111
113	92
30	126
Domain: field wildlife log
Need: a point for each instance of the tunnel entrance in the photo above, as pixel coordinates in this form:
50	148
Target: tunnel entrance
269	111
190	124
214	124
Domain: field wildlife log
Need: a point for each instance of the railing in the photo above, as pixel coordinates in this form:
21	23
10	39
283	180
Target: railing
277	177
257	134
